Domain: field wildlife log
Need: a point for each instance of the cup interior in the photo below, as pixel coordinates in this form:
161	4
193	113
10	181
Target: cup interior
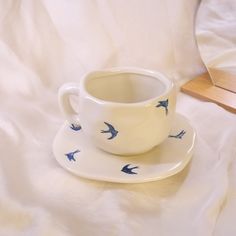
125	87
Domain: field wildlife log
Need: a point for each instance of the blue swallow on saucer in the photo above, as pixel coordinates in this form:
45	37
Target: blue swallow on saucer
110	130
179	135
164	104
75	127
71	155
129	170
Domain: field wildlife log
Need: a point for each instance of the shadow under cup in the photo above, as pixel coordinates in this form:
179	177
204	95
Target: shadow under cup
131	111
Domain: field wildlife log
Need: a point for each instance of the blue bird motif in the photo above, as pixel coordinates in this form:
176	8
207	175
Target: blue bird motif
110	130
75	127
71	155
164	104
179	135
129	170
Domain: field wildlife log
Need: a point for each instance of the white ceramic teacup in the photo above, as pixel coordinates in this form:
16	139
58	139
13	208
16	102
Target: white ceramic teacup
124	111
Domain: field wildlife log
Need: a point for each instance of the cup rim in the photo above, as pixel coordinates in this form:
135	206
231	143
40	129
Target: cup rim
120	70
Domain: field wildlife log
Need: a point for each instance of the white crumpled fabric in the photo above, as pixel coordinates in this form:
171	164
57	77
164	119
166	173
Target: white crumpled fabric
216	38
44	44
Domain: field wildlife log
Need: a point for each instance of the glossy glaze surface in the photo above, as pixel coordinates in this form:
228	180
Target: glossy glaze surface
124	111
75	153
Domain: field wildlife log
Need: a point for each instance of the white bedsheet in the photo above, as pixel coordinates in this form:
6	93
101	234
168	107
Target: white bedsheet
46	43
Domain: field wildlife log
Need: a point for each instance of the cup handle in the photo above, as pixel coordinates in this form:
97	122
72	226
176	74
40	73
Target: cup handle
65	104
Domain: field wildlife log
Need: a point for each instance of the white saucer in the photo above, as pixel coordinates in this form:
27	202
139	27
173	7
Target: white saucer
90	162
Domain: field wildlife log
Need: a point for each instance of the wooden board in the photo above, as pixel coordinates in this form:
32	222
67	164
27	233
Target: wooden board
202	88
223	78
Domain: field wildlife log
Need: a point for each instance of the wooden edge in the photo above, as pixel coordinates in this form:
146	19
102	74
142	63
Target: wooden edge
202	88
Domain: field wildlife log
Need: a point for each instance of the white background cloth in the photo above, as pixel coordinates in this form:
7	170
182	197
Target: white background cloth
215	27
215	31
44	44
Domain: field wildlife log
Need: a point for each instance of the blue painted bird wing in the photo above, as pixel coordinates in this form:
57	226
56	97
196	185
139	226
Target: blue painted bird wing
109	126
